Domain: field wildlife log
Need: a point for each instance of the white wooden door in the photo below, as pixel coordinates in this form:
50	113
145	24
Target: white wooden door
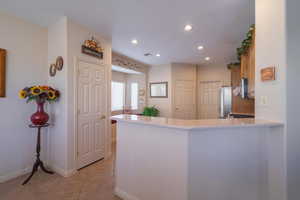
91	104
209	99
185	100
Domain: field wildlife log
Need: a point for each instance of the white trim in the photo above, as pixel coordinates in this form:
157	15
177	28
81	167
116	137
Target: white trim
62	172
7	177
124	195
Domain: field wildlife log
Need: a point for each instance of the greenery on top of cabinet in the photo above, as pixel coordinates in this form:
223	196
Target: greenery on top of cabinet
246	43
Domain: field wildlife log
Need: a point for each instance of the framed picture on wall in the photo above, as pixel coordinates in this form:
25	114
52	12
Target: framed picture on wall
159	90
2	72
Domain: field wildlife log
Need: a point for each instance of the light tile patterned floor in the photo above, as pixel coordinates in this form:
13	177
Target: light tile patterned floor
95	182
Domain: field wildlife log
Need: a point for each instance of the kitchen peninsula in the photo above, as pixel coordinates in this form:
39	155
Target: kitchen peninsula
171	159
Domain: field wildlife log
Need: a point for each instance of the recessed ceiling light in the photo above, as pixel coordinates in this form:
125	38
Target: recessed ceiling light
207	58
134	41
148	54
188	27
158	55
200	47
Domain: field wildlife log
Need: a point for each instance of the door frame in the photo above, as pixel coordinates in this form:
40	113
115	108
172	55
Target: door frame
107	134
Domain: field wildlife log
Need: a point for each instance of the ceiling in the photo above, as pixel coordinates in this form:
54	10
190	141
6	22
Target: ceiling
218	25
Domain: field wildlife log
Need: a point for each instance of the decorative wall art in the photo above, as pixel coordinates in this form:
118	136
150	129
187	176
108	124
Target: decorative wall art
268	74
159	90
92	48
59	63
2	72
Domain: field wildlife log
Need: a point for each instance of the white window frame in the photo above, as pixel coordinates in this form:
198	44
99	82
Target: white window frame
124	96
137	96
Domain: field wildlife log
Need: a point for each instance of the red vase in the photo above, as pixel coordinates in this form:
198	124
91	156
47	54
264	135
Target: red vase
40	117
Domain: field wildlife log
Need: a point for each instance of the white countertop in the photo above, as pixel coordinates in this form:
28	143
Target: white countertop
195	124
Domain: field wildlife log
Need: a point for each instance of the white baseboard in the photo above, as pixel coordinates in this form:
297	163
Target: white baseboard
7	177
63	172
124	195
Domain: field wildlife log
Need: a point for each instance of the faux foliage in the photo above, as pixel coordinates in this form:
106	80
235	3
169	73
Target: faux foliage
151	111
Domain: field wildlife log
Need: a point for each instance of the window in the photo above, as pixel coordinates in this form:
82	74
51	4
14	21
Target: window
134	96
117	96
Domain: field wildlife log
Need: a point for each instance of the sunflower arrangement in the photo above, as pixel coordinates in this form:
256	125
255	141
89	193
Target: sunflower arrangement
39	94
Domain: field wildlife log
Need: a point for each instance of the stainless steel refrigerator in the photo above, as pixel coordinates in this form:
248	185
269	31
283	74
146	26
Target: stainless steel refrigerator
225	101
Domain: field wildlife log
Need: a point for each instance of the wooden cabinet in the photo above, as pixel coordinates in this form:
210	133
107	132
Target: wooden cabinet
251	70
248	68
244	66
239	105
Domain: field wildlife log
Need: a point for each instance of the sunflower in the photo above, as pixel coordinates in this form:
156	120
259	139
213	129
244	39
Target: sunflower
22	94
51	95
57	94
45	88
35	90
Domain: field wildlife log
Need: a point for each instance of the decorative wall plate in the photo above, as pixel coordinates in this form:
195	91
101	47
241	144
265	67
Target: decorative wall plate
52	70
59	63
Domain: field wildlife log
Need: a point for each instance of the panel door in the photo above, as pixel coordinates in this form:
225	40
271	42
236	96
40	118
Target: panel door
185	100
91	104
209	99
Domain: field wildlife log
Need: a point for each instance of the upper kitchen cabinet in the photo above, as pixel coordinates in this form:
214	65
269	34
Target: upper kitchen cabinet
248	64
251	69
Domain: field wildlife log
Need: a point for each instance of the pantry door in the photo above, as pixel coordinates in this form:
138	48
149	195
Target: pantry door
185	99
91	110
209	99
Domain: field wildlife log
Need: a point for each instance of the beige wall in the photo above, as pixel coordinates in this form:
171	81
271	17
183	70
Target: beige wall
161	73
118	76
214	72
26	46
184	72
211	72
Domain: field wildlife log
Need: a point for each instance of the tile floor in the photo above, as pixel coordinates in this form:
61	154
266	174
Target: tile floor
91	183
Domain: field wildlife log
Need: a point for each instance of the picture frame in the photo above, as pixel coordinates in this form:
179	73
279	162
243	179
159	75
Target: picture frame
268	74
2	72
158	90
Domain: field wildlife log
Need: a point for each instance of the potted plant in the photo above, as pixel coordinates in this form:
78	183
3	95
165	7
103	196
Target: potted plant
39	94
151	111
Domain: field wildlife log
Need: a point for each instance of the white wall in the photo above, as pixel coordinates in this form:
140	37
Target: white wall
270	51
293	98
26	46
77	34
57	137
31	49
161	73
